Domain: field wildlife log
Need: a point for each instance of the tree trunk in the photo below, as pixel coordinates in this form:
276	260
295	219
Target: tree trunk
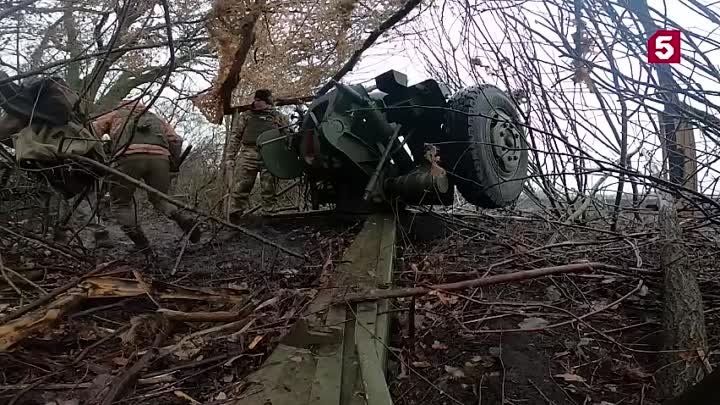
227	175
683	317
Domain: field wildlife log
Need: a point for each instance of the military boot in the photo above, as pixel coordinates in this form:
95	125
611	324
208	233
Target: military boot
102	238
187	224
137	236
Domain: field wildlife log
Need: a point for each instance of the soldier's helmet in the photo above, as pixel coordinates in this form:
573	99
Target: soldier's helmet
264	95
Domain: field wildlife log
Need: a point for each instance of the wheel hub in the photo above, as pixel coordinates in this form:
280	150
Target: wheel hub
505	144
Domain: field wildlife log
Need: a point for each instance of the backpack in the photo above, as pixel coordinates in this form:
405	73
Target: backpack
149	129
46	99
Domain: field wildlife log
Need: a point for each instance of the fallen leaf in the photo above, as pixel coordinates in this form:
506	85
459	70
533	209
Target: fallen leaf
533	323
487	361
688	356
454	372
88	333
419	319
186	397
637	373
446	299
439	346
421	364
570	377
255	341
584	341
188	349
290	272
552	293
120	361
271	301
241	286
598	305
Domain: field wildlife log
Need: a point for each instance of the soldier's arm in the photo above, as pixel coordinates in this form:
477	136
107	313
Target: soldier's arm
283	123
236	137
173	138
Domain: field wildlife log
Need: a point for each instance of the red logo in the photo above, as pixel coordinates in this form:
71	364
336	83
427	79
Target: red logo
664	47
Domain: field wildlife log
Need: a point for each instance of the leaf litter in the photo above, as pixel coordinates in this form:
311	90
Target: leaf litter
553	339
90	351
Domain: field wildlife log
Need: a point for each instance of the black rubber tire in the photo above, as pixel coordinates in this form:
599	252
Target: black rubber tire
469	156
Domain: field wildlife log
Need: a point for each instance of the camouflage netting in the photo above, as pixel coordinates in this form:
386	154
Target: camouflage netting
299	45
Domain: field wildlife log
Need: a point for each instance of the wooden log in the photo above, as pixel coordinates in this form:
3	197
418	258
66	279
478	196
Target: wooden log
16	330
11	333
52	295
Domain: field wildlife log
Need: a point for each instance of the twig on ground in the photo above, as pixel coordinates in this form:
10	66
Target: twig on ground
9	281
219	316
122	382
378	294
57	249
54	293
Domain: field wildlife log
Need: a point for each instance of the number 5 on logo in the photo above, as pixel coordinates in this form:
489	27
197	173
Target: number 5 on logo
664	47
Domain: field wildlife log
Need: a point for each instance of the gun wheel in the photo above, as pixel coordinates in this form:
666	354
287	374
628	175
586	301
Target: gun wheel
488	157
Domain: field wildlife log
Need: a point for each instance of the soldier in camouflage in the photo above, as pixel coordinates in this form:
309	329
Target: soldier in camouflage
261	117
145	153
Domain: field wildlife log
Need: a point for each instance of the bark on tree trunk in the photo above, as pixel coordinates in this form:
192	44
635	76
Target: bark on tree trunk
227	178
683	317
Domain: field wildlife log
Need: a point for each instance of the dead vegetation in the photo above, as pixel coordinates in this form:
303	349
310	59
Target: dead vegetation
106	327
570	339
121	331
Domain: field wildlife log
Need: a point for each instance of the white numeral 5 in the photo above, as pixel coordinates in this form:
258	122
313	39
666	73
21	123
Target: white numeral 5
663	49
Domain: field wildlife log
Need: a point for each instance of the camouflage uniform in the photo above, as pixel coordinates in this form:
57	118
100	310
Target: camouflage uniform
248	126
144	157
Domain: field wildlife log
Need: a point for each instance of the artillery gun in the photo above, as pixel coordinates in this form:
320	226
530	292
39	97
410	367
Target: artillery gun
365	148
